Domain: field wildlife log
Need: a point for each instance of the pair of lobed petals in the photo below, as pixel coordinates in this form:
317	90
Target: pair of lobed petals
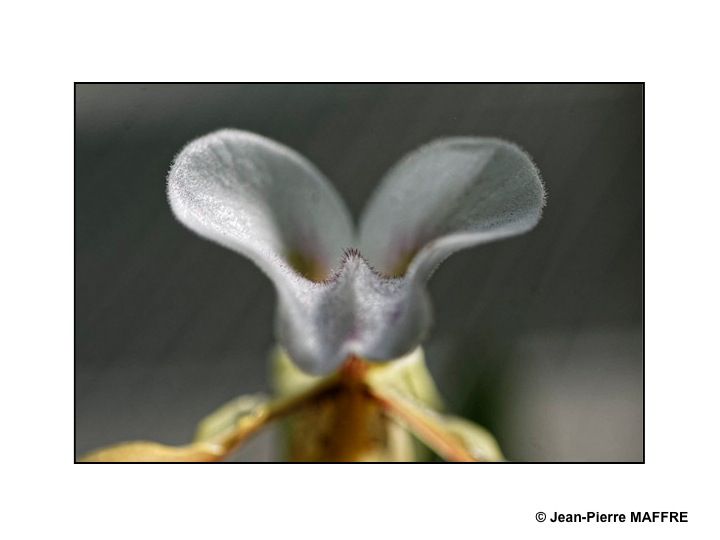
343	292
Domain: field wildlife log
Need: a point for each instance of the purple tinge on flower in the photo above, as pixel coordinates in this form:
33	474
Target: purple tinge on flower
339	293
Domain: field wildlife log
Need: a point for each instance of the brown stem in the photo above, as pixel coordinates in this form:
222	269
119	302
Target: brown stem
421	423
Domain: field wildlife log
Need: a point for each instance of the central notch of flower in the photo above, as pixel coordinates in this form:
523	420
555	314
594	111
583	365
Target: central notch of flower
267	202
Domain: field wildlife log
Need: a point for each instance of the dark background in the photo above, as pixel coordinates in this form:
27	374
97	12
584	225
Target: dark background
538	337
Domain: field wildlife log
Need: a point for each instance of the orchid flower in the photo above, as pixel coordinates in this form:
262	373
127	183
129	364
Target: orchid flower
352	303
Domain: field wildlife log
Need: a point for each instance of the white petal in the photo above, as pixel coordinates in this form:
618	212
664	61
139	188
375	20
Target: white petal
447	195
261	199
270	204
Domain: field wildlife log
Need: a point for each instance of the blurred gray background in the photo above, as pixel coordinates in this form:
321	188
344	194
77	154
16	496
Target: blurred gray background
539	338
